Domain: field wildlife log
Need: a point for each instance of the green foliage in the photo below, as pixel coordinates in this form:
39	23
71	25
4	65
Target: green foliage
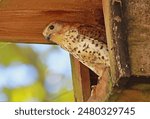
36	91
33	92
63	96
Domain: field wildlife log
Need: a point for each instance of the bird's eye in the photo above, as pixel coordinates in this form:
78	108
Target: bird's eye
51	27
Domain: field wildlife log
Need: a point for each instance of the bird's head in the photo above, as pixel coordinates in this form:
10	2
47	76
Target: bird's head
53	32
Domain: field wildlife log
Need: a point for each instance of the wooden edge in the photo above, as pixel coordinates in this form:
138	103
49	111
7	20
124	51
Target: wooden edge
43	41
81	80
116	38
135	90
24	21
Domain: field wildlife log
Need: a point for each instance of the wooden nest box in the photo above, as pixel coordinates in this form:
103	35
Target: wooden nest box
127	29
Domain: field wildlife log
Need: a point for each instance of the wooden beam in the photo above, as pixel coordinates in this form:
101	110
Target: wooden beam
81	80
127	27
127	22
24	21
137	89
117	43
116	38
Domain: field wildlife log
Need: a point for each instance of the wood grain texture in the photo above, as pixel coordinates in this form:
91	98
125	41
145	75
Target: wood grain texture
24	21
138	26
135	16
81	81
116	39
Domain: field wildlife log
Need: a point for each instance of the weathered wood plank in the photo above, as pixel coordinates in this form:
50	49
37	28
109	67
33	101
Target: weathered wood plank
68	5
136	17
132	21
116	38
138	25
81	80
24	21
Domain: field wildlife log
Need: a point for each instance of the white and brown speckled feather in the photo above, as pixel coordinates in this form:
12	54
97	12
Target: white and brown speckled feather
87	43
87	48
96	32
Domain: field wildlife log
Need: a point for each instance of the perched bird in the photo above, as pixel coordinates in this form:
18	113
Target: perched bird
88	44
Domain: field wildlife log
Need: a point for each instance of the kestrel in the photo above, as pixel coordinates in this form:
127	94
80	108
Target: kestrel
87	43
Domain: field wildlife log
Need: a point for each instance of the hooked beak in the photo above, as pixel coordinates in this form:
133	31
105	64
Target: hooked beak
47	37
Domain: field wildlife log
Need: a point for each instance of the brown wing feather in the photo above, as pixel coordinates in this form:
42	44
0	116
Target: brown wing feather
96	32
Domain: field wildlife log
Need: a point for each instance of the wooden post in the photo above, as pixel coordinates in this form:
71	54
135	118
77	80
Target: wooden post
81	80
127	29
116	38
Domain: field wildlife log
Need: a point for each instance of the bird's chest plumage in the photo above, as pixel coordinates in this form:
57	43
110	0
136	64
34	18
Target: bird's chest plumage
86	49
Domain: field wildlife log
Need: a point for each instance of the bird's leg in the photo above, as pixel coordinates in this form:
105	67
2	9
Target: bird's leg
102	90
93	87
93	90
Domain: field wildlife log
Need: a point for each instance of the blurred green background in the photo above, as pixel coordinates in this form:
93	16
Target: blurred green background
35	72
